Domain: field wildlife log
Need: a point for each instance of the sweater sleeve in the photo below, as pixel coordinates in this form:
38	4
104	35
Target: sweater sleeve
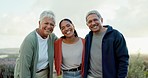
122	56
58	56
54	37
26	53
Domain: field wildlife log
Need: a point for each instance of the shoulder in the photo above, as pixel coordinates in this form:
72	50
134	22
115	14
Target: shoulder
110	29
117	33
29	41
90	34
58	41
53	36
82	38
31	36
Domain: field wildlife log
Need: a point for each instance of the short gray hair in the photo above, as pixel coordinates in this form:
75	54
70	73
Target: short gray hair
47	13
93	12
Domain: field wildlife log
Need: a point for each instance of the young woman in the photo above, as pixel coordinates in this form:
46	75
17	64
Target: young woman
69	52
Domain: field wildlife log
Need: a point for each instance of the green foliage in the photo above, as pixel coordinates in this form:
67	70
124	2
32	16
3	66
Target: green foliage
137	69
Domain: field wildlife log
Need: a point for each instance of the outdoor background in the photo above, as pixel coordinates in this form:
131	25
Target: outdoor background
19	17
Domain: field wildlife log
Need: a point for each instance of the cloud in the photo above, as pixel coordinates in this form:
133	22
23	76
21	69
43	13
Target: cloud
132	19
127	16
13	24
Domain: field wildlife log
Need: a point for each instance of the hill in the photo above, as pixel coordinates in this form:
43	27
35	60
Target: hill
9	51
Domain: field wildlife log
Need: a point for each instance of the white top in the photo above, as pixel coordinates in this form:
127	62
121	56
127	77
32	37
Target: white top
43	52
72	55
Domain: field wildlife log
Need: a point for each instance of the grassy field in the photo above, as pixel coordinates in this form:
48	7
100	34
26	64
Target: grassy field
138	65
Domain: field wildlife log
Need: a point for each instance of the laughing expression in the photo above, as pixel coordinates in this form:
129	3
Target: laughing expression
94	23
46	27
67	29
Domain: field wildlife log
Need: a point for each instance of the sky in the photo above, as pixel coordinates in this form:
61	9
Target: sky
20	17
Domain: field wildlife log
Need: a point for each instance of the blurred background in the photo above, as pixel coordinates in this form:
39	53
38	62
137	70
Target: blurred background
19	17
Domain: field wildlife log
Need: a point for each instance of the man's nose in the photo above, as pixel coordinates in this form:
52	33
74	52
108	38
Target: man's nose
50	26
93	22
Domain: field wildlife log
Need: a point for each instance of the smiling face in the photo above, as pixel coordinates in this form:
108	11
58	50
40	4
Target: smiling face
67	28
46	27
94	22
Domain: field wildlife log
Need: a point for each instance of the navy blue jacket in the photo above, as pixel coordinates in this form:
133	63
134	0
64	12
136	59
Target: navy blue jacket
114	54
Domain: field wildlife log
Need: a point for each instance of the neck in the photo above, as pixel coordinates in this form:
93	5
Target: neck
70	40
40	33
103	29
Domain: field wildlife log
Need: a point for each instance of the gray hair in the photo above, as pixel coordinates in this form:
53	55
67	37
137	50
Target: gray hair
47	13
93	12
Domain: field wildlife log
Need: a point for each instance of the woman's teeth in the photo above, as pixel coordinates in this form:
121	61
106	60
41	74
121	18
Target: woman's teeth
68	32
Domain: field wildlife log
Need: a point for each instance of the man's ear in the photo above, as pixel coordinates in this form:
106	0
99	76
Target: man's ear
86	23
101	20
39	24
